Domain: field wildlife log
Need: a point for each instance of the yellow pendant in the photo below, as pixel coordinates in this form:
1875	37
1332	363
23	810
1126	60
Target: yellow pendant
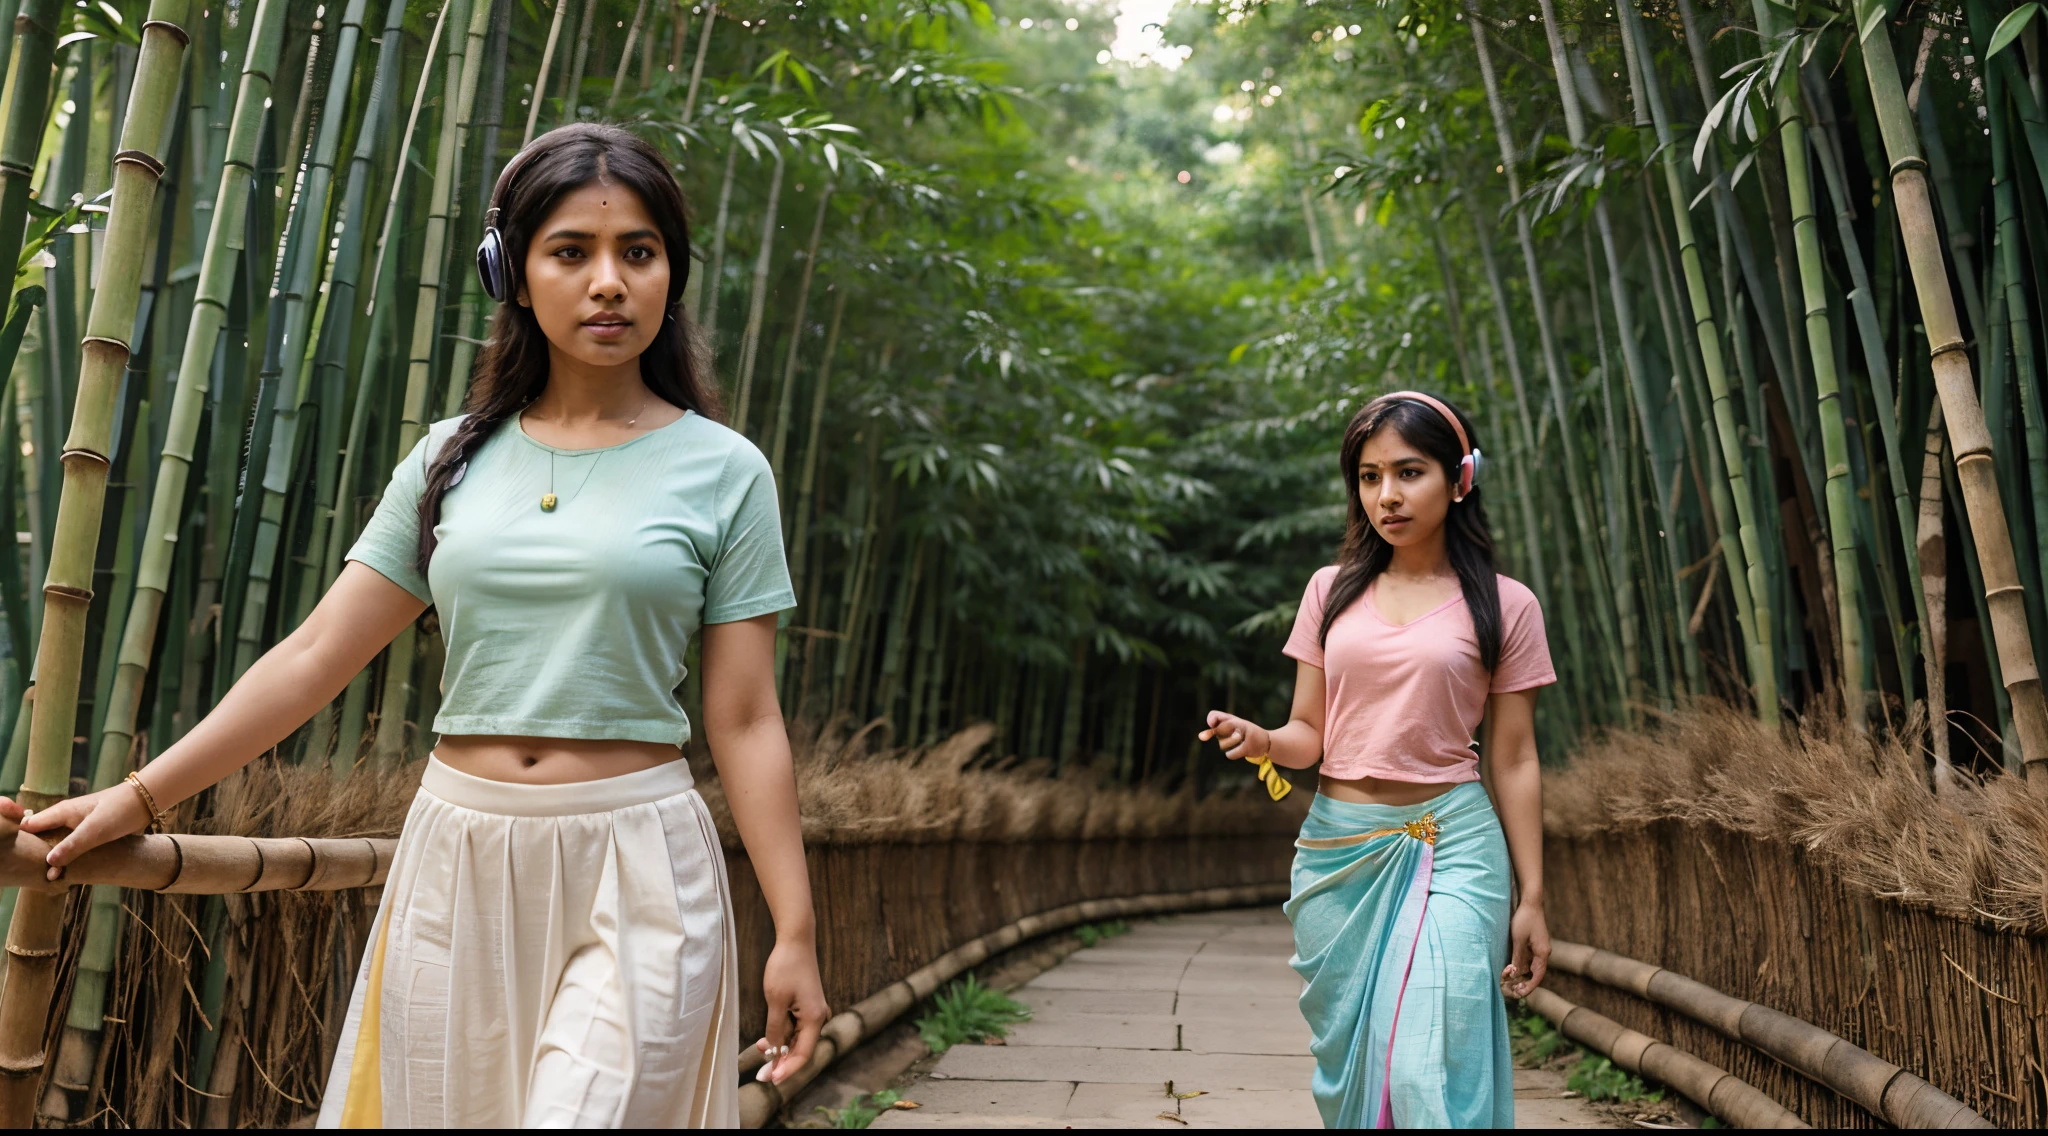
547	503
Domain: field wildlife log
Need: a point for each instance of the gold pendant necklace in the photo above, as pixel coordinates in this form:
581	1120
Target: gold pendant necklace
548	500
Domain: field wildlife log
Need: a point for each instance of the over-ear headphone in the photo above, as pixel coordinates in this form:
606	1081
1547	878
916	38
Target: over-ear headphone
1468	465
494	261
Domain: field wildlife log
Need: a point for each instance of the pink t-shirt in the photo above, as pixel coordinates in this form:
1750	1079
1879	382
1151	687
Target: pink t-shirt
1402	702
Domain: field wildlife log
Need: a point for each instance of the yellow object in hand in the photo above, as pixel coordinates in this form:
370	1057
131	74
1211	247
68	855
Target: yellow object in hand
1277	787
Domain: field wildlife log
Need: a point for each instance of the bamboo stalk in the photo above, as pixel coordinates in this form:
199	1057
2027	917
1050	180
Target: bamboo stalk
540	80
796	333
34	42
1957	389
37	919
1745	556
757	304
570	110
1820	341
1552	362
626	55
705	311
697	65
311	231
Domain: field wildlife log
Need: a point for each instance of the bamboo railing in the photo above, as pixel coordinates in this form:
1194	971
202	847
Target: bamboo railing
204	865
1887	1091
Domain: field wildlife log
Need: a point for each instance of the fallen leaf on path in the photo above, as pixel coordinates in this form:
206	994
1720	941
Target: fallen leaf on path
993	1041
1172	1117
1191	1094
905	1104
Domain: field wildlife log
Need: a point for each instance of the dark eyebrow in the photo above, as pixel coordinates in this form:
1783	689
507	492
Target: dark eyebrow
569	235
639	235
1396	461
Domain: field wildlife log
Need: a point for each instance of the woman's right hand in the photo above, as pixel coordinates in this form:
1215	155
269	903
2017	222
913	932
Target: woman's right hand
93	819
1238	737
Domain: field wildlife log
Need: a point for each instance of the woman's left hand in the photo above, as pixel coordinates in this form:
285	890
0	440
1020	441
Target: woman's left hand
795	994
1529	951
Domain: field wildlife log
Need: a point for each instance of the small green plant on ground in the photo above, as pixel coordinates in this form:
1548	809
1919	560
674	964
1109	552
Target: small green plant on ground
1531	1037
969	1011
862	1110
1597	1079
1093	933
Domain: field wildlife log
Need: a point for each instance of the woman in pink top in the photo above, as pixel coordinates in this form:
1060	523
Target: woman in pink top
1404	873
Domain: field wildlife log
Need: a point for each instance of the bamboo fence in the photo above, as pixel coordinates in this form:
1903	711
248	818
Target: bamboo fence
912	855
1821	877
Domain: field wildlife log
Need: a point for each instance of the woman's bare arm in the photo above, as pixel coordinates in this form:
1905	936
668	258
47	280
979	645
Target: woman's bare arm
357	617
750	746
1296	745
1516	782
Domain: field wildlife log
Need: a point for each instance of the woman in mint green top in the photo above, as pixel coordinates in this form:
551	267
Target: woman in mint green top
554	946
572	622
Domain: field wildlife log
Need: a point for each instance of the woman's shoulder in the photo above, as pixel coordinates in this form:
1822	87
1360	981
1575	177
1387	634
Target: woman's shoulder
735	452
1515	595
1320	580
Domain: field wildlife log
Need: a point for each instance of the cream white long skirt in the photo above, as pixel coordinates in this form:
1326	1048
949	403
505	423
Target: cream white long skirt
547	956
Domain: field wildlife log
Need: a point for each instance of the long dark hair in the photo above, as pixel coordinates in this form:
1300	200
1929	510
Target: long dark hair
512	368
1466	538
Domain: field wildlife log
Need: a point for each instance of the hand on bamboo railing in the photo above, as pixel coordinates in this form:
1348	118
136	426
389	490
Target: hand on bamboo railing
204	865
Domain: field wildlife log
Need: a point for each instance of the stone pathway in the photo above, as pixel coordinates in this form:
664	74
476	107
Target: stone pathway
1206	1002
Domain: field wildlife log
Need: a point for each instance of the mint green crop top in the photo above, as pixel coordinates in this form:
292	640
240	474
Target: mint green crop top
572	623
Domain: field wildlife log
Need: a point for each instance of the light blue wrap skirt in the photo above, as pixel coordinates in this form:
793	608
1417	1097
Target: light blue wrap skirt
1400	917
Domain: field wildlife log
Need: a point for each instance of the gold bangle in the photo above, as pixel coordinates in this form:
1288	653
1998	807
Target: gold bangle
148	801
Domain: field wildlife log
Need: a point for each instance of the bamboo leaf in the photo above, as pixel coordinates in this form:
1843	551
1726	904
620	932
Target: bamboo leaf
2009	29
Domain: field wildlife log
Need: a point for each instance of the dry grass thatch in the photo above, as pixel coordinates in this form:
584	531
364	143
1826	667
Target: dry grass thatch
1863	809
957	791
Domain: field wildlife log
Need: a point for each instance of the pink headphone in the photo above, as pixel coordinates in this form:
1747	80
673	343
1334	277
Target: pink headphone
1468	465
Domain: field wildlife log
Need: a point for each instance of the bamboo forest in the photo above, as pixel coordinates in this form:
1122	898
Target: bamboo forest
1048	317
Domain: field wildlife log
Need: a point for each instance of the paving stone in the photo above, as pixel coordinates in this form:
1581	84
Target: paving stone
1011	1098
1102	956
1108	978
1125	1066
1106	1031
1045	1003
1252	1108
1223	1035
1120	1102
1247	984
921	1119
1263	1007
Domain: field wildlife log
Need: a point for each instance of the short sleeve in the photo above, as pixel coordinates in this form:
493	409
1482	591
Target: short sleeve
391	541
749	576
1305	642
1524	648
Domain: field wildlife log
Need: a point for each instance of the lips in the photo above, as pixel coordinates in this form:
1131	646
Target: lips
608	327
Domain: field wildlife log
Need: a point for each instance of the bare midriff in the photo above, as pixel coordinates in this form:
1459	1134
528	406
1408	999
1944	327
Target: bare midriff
549	761
1381	790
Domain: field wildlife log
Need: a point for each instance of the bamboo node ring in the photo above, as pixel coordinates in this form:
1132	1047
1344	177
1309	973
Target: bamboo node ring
16	169
1940	349
141	158
1909	162
108	340
1997	592
183	37
81	452
31	952
83	595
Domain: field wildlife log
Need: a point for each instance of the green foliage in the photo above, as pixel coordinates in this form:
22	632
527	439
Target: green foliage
968	1011
1598	1079
862	1110
1531	1037
1093	933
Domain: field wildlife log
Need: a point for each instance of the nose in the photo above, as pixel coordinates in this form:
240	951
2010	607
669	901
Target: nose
607	282
1389	493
